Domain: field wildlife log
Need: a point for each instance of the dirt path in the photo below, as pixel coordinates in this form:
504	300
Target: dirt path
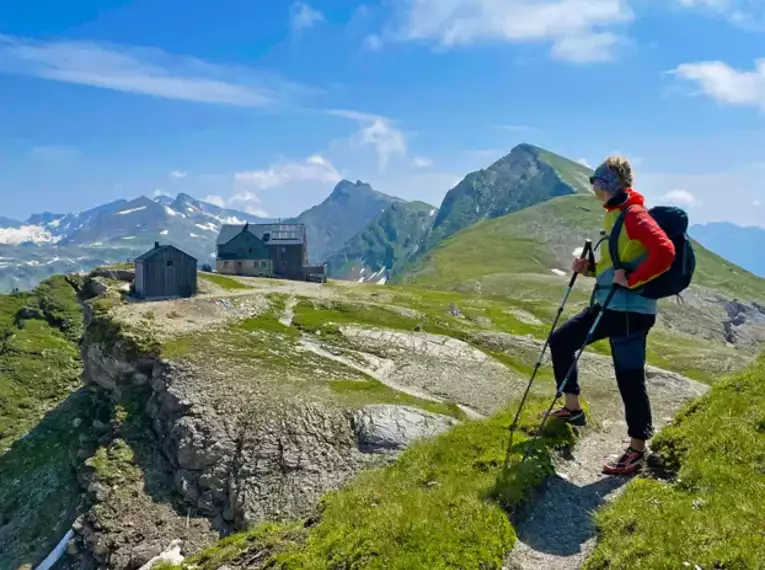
556	530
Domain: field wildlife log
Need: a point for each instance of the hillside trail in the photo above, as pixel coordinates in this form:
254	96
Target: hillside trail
555	528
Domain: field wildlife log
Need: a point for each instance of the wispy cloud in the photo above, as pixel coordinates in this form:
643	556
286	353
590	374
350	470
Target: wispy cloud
681	198
726	84
144	71
302	17
315	168
283	175
378	132
215	200
745	14
178	174
578	31
55	152
422	162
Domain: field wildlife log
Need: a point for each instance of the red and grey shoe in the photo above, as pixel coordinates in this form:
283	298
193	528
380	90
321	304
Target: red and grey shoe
628	463
574	417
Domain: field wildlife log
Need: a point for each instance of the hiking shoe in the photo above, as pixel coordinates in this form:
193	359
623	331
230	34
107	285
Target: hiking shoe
574	417
628	463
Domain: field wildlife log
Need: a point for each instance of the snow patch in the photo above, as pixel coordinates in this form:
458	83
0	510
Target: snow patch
433	212
55	223
195	235
383	281
129	237
124	212
170	211
233	220
164	232
26	234
558	272
209	227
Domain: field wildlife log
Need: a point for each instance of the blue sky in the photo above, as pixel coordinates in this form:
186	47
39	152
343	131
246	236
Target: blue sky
264	104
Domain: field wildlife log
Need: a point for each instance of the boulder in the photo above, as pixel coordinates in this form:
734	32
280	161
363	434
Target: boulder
381	428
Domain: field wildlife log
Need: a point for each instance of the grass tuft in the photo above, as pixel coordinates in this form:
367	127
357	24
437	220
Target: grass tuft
223	281
711	515
443	504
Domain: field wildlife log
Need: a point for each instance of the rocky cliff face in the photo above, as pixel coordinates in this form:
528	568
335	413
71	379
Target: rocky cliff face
198	447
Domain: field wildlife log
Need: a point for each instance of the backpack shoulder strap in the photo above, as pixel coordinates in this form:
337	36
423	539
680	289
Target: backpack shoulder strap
613	238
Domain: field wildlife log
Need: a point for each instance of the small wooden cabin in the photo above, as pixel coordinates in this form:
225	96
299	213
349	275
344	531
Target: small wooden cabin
165	271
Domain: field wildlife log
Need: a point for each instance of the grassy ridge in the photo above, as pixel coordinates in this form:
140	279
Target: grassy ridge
39	360
443	504
528	242
712	514
42	423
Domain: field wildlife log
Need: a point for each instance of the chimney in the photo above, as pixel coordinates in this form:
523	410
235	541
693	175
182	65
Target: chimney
156	245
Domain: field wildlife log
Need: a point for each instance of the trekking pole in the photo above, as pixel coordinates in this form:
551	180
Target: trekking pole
559	391
587	250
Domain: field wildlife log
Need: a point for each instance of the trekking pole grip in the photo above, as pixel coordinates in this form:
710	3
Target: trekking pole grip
585	252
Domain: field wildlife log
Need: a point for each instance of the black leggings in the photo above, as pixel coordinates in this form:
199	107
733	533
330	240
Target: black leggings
627	333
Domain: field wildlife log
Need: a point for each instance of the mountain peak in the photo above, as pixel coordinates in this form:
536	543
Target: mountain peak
346	187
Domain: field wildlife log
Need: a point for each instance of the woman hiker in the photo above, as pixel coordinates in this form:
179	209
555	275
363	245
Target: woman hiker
644	246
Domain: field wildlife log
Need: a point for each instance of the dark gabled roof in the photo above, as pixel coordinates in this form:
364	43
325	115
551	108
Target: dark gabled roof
270	234
157	248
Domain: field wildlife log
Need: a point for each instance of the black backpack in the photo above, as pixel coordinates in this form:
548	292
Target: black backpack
674	222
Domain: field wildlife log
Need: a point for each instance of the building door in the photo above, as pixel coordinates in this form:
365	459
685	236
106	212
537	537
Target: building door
238	267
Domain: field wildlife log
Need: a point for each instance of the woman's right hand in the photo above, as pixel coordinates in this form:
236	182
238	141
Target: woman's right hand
580	265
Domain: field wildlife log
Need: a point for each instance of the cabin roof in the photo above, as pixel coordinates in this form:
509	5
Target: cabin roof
161	248
270	234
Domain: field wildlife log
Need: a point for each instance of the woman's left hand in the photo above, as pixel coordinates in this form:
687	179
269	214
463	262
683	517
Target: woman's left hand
620	278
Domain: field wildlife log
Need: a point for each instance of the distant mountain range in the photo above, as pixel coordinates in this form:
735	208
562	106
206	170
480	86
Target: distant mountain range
360	233
741	245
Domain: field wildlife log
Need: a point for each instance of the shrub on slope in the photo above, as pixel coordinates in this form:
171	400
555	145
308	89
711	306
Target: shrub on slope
711	516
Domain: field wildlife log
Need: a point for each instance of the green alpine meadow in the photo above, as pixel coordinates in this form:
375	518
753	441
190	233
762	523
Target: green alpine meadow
365	422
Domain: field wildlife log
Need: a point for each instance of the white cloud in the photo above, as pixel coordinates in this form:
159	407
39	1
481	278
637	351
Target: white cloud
378	132
422	162
680	198
579	30
313	169
302	16
178	174
144	71
726	84
756	203
585	48
248	202
746	14
215	200
159	192
583	162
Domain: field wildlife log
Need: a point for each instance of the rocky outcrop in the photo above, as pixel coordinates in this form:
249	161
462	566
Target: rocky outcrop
392	428
214	459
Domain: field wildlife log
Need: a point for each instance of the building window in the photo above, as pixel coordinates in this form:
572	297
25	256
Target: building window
170	263
225	264
250	250
284	250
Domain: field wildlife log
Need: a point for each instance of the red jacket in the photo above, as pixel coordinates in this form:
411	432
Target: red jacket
640	226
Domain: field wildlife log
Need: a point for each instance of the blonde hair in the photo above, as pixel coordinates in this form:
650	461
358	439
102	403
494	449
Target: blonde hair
620	166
